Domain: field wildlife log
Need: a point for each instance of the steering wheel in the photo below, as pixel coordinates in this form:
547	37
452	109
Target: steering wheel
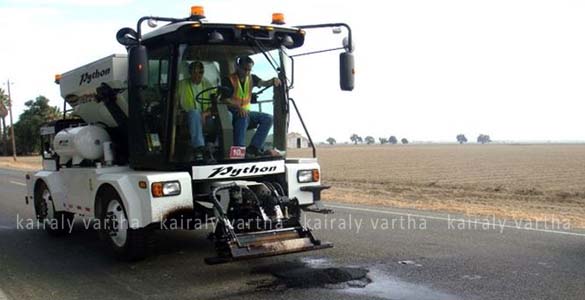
204	100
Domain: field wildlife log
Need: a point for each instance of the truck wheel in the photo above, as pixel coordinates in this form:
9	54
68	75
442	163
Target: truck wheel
55	223
124	242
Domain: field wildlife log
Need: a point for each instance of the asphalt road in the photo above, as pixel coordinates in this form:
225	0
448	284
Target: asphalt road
406	254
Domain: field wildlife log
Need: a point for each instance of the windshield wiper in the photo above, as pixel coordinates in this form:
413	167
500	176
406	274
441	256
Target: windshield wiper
258	45
266	54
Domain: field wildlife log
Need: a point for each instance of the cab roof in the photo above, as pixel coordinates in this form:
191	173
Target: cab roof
197	31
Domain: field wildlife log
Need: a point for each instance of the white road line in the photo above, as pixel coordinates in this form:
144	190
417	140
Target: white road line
17	183
3	296
456	220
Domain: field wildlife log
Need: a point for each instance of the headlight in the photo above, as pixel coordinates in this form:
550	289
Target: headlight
304	176
169	188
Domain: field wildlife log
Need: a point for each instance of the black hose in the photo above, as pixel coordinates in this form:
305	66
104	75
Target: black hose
272	189
223	216
216	201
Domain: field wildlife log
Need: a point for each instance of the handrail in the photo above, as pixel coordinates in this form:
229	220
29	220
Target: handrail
304	127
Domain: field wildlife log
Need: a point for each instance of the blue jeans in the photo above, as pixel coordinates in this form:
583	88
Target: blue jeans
261	121
195	128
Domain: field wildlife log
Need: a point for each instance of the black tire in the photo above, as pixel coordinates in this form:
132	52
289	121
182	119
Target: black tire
120	240
55	223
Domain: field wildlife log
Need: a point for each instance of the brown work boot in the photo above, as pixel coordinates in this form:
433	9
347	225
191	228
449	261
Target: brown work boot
272	153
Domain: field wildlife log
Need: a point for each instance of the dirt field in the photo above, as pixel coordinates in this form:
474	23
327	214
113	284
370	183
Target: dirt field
529	182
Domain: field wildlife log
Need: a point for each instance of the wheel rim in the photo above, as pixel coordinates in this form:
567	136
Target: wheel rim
48	209
117	223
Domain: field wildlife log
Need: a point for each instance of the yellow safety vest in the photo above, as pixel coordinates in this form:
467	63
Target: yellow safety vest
188	102
242	94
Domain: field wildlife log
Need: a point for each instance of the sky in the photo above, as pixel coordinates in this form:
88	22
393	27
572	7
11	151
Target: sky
426	70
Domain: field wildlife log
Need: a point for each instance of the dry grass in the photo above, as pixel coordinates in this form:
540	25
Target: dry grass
21	163
529	182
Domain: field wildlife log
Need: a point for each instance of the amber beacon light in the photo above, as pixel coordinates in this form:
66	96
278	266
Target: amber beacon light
197	11
278	18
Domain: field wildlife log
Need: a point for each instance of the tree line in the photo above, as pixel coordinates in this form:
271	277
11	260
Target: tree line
356	139
481	139
27	129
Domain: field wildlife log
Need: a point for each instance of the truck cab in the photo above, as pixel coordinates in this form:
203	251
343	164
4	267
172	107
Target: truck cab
127	161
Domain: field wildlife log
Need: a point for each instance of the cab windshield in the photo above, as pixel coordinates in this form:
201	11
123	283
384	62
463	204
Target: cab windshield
217	116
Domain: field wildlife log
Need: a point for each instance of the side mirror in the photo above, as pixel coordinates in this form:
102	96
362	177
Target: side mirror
346	71
127	37
138	66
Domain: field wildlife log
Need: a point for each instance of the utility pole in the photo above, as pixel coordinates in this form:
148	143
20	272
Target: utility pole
11	125
3	115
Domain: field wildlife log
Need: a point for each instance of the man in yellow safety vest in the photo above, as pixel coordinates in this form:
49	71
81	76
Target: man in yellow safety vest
242	82
189	88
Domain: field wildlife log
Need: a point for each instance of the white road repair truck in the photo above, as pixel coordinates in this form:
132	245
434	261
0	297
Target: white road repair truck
124	159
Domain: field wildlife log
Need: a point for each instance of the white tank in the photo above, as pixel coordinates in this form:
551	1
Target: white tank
80	143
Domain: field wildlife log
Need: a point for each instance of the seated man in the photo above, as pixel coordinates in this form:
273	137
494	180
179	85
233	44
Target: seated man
242	82
188	90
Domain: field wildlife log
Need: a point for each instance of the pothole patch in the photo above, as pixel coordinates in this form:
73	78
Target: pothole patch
312	275
327	277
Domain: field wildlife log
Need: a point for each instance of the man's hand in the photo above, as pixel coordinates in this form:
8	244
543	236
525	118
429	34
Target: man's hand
276	82
270	82
242	112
